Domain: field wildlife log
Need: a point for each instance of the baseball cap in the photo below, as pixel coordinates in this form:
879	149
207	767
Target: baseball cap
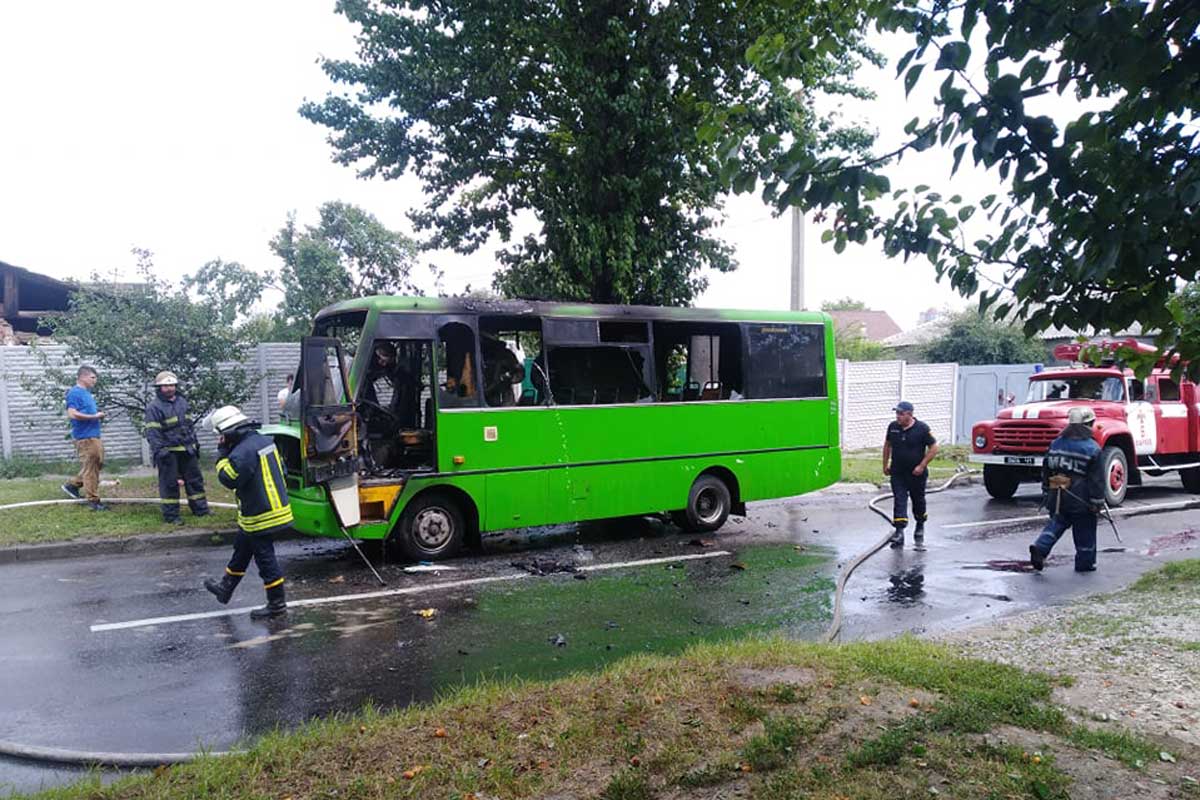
903	405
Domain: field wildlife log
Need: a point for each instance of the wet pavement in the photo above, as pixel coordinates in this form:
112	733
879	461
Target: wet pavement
534	605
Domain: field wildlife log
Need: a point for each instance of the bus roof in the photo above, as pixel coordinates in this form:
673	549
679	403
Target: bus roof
467	305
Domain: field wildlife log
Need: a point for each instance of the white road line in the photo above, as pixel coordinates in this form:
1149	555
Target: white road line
1116	511
429	587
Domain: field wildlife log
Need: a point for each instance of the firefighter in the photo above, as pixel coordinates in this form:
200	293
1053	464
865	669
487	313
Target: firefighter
250	465
908	447
174	449
1073	490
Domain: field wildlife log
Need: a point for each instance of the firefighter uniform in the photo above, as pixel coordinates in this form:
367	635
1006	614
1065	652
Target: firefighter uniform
250	465
1073	489
908	447
174	449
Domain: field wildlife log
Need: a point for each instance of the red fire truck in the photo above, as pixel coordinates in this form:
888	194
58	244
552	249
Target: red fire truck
1145	427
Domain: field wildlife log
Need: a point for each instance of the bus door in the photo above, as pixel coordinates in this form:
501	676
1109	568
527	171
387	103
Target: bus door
329	432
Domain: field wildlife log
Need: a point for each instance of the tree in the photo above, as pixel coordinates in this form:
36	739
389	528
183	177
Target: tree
975	338
132	332
348	253
853	346
593	116
1100	219
845	304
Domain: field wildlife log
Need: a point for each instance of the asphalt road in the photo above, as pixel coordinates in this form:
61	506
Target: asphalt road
67	680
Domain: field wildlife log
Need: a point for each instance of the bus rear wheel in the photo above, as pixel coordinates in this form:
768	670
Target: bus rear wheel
708	506
431	528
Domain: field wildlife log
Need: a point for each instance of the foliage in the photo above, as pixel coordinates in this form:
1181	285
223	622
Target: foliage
844	304
1100	218
131	332
975	338
851	345
348	253
596	118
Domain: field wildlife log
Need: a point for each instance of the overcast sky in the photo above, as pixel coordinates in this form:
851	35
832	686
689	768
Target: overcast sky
174	127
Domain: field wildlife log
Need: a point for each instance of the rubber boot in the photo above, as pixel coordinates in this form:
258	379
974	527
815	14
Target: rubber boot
897	539
919	531
223	589
276	604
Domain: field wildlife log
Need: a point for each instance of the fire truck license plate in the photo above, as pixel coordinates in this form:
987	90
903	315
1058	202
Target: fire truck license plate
1026	460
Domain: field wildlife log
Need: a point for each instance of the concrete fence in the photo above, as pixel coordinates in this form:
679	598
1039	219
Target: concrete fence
867	391
29	430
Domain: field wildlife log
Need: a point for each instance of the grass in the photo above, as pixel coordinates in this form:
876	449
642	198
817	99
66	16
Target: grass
866	466
648	726
59	523
22	466
1169	577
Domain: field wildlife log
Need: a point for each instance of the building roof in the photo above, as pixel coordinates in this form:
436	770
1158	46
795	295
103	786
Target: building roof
873	325
928	331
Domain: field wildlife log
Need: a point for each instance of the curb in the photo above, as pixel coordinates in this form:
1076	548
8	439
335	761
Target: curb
141	543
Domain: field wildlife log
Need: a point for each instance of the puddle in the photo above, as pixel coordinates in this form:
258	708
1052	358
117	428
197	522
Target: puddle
907	587
559	625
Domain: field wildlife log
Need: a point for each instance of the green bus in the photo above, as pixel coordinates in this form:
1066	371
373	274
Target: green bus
429	422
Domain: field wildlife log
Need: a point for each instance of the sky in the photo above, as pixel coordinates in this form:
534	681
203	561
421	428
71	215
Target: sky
174	127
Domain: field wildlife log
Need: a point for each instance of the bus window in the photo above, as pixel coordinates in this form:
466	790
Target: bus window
786	361
457	375
510	376
598	375
698	361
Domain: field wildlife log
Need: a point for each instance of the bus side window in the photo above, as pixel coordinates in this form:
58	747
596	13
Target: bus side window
458	378
698	361
786	361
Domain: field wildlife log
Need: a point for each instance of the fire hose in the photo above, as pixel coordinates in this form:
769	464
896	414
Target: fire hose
835	625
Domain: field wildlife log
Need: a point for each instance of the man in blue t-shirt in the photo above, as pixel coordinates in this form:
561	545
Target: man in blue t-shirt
85	431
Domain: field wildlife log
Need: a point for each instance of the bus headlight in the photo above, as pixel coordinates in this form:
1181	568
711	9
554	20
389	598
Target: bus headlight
980	442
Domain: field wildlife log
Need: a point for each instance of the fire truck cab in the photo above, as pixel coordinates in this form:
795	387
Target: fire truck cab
1144	427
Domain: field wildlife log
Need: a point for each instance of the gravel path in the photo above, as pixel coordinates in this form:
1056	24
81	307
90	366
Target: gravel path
1134	657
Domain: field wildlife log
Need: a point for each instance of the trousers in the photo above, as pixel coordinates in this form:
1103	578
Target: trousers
91	460
905	485
1083	530
261	548
173	465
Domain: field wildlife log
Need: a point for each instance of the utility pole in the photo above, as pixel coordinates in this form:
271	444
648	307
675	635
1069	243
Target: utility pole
797	259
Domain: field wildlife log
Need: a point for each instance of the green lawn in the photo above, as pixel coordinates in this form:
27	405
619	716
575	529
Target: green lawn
57	523
866	466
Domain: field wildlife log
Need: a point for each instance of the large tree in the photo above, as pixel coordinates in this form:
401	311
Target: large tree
975	338
348	253
131	332
1100	220
601	118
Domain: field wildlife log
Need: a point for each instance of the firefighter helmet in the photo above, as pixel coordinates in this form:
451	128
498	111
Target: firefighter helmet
225	419
166	378
1077	416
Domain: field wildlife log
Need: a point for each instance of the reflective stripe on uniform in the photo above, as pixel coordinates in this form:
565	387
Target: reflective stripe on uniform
269	481
273	584
170	420
153	424
225	466
260	522
177	448
228	571
196	496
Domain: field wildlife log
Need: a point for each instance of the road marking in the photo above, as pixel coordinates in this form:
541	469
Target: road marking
1123	510
430	587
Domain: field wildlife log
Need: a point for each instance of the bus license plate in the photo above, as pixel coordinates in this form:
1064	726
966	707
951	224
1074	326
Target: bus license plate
1026	460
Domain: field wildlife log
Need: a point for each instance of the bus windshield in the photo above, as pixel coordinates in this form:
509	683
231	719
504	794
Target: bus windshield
1076	387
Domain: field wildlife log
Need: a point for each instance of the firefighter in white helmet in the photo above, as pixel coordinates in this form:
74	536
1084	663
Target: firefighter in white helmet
250	465
174	449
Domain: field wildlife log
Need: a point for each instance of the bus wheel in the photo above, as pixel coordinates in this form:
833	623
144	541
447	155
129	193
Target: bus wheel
1116	475
1191	479
1001	482
431	528
708	506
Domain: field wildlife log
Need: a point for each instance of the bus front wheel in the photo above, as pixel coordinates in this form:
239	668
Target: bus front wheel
431	528
708	506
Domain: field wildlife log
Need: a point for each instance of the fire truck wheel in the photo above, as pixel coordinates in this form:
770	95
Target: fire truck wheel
1191	479
1001	482
1116	475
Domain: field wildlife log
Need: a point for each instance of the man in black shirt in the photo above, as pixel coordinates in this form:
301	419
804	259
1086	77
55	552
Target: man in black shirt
908	448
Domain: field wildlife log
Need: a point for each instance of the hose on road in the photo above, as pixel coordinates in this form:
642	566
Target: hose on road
118	500
87	758
835	625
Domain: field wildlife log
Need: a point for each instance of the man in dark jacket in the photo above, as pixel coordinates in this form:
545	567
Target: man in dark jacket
250	465
1073	489
174	449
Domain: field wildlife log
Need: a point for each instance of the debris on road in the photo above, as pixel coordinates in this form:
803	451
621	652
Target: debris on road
545	566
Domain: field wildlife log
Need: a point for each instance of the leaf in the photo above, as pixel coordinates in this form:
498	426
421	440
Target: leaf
911	77
958	154
954	55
